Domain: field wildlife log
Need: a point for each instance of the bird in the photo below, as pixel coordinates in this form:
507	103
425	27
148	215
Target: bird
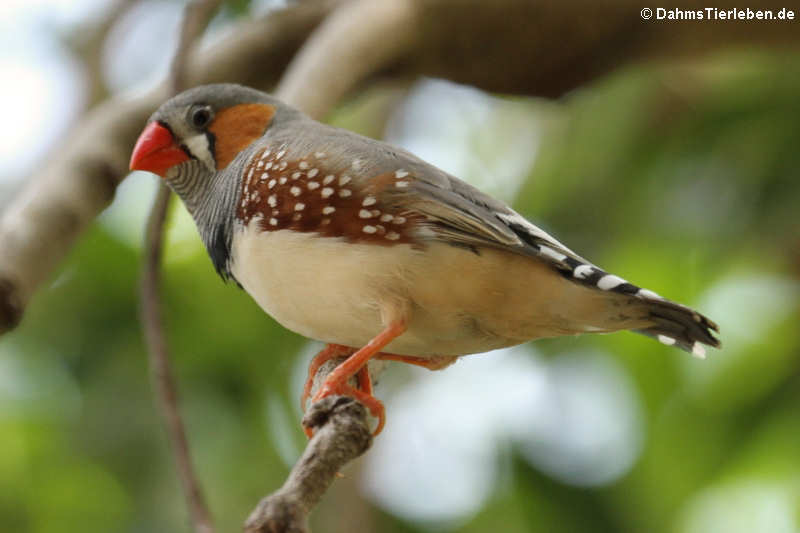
380	255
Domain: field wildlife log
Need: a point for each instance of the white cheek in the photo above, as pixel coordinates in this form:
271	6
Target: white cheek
198	146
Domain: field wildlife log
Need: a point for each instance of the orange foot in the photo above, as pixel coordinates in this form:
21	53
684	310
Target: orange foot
354	365
362	393
331	351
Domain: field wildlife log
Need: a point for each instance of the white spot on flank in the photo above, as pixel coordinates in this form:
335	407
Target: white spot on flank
250	174
328	179
344	193
326	192
546	250
583	271
303	165
376	212
319	155
344	180
312	185
282	180
663	339
295	190
273	222
369	200
280	154
313	172
265	154
299	206
364	213
400	173
609	281
399	220
327	210
260	164
268	166
392	235
386	217
282	166
271	183
698	350
296	217
401	184
275	212
296	175
272	200
369	229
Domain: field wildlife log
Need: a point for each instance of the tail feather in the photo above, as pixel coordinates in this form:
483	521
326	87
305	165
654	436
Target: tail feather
673	324
680	326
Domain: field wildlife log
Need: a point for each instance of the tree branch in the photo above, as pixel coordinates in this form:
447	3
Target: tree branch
356	41
196	17
341	434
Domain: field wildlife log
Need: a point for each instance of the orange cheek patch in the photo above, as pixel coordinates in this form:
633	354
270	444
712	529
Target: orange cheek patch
236	127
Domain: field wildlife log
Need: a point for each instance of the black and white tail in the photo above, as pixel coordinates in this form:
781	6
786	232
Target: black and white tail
673	324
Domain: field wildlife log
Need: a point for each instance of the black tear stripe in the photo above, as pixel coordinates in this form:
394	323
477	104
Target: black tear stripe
212	144
219	249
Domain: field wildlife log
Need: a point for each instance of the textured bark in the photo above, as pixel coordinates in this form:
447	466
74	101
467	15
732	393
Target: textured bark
341	434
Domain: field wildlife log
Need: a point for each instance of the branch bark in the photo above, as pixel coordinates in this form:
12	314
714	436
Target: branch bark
341	433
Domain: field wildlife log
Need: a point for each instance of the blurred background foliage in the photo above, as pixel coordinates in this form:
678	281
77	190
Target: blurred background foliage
684	178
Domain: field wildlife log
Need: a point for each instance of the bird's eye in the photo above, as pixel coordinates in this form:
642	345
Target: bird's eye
200	116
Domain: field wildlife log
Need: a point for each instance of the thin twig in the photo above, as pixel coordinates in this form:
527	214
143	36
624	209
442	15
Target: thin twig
196	17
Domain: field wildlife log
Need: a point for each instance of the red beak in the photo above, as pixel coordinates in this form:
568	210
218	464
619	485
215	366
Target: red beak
156	151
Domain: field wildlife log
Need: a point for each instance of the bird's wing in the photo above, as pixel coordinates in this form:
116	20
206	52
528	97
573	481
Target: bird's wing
458	213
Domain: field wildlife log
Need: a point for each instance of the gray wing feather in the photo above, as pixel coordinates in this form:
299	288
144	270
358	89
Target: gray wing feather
460	213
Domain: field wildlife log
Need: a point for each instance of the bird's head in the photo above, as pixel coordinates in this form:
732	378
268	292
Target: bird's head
210	124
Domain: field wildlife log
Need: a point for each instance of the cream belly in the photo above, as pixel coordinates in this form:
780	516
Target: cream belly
453	300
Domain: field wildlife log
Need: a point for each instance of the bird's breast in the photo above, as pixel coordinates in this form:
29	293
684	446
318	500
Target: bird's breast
323	288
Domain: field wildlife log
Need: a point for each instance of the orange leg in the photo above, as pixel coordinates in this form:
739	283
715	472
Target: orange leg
331	351
437	362
336	382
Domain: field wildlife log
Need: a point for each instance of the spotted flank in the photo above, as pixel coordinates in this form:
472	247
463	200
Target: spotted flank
307	194
674	324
